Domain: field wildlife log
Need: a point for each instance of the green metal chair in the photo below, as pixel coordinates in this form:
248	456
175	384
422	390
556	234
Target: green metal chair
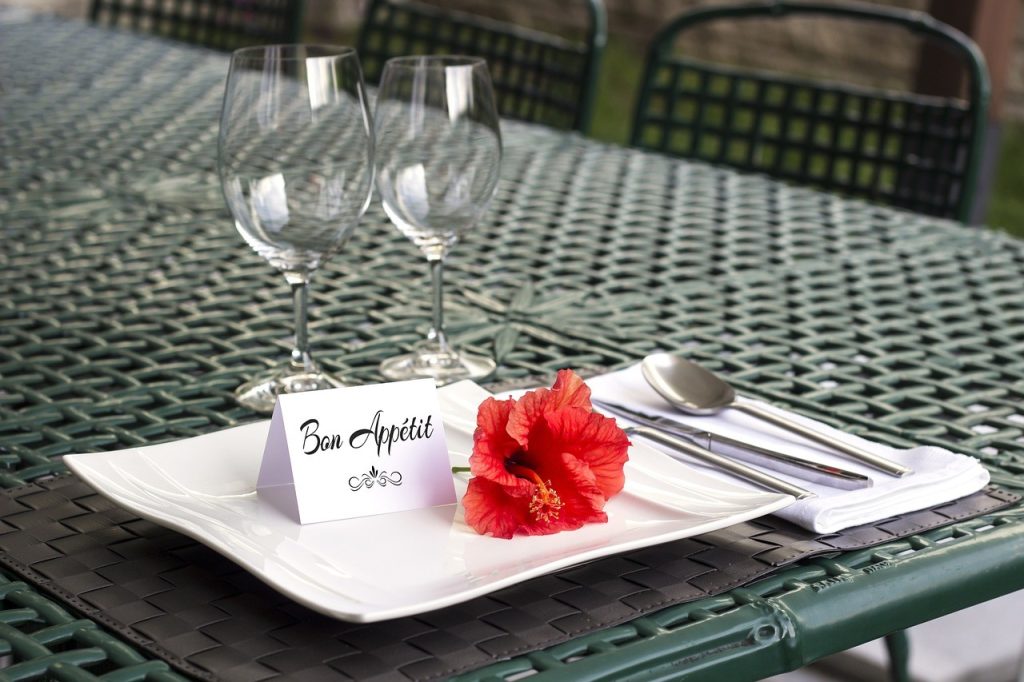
538	77
908	150
220	24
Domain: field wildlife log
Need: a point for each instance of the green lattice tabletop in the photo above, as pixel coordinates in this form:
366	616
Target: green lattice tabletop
130	309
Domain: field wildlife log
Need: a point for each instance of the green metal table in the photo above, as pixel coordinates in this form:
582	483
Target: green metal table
130	309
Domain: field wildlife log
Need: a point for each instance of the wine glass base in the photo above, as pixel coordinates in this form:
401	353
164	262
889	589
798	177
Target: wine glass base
260	394
444	367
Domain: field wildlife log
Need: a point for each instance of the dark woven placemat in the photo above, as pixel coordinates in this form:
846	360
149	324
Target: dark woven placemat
209	618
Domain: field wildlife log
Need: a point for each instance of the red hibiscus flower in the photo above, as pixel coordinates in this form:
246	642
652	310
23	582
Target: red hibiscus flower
544	463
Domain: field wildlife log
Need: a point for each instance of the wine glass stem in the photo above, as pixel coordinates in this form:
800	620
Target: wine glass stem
436	333
301	359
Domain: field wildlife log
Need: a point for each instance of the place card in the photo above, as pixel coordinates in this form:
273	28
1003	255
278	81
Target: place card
357	451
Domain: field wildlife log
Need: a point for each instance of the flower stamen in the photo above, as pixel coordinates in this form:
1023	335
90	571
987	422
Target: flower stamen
545	503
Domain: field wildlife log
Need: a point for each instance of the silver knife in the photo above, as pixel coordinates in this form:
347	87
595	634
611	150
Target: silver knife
804	469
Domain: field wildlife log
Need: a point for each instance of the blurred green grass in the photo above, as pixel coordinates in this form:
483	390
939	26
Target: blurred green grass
620	82
617	89
1006	207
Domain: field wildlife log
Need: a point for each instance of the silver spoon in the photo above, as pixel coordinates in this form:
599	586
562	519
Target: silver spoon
692	389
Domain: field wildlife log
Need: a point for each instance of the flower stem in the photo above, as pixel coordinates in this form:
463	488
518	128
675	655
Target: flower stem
460	470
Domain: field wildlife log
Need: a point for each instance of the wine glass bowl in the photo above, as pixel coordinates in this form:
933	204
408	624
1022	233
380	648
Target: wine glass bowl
438	159
295	158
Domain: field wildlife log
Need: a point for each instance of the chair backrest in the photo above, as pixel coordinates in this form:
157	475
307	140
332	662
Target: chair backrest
220	24
913	151
537	76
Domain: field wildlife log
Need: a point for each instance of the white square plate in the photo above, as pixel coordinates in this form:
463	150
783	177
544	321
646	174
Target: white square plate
379	567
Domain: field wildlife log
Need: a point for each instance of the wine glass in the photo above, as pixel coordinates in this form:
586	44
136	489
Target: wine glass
438	159
295	157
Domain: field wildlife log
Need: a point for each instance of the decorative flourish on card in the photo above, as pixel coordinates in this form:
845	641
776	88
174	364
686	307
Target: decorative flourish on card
375	476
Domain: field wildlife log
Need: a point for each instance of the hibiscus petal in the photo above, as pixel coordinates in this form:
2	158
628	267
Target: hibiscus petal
490	509
569	390
582	501
593	438
492	445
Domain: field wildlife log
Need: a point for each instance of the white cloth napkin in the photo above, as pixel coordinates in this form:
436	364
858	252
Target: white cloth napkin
938	475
